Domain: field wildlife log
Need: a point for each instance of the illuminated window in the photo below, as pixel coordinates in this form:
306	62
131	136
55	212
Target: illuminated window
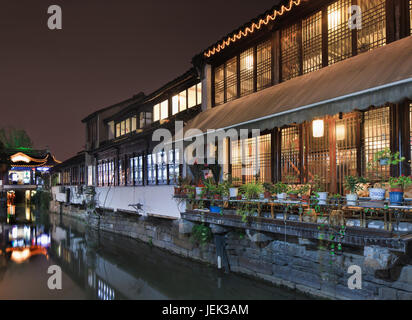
105	173
346	148
410	124
164	109
100	174
199	93
289	155
264	65
231	79
312	42
339	35
122	127
191	96
145	119
219	85
156	112
175	104
117	130
376	137
138	170
134	123
251	159
410	15
318	153
246	72
127	126
161	167
174	168
373	32
290	52
151	169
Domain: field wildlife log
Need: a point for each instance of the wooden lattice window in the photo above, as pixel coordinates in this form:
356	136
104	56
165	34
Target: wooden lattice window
151	169
138	170
100	174
376	137
318	156
219	85
290	52
289	155
339	35
122	172
312	42
231	79
251	159
129	170
161	167
264	65
236	159
173	166
373	32
410	130
410	16
246	72
346	136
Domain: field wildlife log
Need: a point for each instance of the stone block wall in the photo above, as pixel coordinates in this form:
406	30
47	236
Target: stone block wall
295	263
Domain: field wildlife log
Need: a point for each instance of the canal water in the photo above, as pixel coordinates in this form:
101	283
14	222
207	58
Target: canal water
101	265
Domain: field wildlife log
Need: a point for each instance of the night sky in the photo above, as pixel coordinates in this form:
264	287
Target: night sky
107	51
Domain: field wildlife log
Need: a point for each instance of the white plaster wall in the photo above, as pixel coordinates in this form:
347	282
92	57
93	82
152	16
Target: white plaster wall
75	197
156	200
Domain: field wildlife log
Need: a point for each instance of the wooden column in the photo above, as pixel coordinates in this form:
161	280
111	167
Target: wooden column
332	154
325	36
395	135
273	154
302	162
405	138
276	58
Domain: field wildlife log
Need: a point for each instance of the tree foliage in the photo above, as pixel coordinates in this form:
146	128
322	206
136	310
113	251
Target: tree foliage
12	138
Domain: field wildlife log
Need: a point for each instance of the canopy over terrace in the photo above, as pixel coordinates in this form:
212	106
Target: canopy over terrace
370	79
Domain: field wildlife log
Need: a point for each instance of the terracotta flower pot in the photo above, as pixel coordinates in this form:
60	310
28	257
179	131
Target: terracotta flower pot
267	194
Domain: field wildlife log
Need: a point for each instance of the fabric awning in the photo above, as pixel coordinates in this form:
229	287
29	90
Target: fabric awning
370	79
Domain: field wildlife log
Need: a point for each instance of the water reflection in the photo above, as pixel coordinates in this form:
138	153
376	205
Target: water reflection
99	265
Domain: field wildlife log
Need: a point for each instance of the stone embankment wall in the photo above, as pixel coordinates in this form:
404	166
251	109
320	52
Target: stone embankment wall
296	263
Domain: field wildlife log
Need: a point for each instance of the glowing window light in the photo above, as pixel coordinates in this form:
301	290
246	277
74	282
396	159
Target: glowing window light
249	62
318	128
340	132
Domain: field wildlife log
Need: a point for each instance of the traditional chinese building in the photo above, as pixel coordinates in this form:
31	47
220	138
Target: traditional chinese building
25	168
325	97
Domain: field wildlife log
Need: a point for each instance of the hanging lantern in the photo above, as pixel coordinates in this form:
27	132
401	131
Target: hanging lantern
340	132
318	128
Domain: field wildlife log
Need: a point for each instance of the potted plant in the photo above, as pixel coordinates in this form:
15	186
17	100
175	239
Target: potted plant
281	190
335	198
231	190
377	193
213	192
317	189
385	157
353	185
268	187
251	190
304	192
197	171
398	185
293	193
